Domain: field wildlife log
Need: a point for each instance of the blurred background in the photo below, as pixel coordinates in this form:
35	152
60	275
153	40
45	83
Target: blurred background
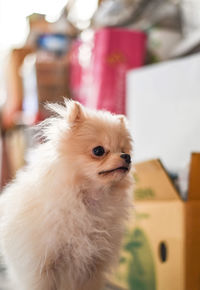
140	58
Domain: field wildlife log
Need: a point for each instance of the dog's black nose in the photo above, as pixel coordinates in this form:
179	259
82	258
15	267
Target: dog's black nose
127	157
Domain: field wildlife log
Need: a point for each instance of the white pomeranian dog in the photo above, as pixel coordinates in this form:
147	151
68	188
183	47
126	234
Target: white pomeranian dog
62	218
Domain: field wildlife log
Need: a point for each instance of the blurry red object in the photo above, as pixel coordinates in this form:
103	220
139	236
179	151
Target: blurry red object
102	85
115	52
76	72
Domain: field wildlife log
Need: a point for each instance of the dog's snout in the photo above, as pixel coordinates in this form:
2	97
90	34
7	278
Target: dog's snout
127	157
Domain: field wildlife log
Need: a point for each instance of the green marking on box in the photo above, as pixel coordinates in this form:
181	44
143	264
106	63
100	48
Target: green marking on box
142	216
141	269
144	193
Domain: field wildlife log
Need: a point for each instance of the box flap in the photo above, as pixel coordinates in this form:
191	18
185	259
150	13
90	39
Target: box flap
194	177
153	183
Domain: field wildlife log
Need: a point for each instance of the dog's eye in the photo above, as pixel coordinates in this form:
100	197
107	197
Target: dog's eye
98	151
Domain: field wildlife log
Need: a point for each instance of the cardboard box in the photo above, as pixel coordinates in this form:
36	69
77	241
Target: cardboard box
162	246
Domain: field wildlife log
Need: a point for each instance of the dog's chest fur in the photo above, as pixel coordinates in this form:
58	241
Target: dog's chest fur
87	237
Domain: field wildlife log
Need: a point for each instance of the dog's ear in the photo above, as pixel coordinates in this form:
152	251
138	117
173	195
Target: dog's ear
121	118
75	112
123	121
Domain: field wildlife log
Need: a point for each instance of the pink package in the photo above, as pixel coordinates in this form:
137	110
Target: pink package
102	84
80	71
115	52
76	71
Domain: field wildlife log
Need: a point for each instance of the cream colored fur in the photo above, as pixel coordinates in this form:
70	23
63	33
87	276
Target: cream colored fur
61	222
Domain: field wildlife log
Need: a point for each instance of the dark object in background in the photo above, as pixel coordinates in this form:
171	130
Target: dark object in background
140	14
54	43
118	12
160	19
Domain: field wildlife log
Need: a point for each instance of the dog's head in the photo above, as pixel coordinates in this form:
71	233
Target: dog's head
95	145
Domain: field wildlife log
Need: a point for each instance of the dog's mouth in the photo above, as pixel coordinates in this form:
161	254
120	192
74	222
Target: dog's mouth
122	169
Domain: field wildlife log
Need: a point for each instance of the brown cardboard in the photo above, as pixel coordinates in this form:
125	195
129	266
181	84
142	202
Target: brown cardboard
52	78
192	245
162	246
192	226
194	178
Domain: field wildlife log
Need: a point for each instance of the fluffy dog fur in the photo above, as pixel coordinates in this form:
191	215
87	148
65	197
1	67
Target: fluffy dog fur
61	220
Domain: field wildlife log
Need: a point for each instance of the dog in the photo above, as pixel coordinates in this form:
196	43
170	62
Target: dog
62	217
